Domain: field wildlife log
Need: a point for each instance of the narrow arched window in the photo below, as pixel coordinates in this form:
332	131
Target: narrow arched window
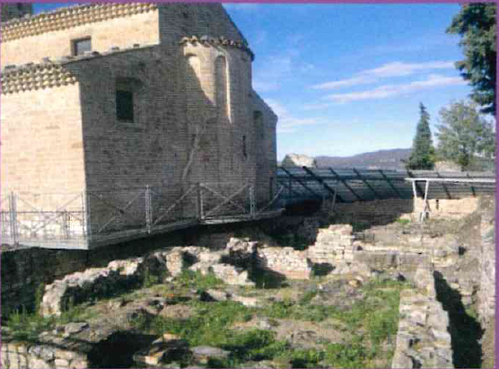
221	80
192	80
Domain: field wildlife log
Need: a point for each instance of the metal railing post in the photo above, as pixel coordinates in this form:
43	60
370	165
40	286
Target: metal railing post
65	224
13	218
87	217
148	205
252	200
200	201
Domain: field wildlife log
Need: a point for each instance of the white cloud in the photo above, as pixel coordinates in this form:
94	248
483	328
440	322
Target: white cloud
287	122
385	91
354	81
400	69
394	69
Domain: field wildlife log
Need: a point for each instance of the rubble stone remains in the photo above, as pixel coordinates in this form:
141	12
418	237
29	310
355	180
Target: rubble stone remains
442	260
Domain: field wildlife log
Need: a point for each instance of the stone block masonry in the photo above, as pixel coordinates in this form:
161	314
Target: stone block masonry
285	261
487	291
423	338
17	355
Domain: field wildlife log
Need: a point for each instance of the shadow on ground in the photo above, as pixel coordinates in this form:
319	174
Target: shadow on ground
464	329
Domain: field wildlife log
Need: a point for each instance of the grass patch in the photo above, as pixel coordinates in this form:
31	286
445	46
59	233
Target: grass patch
351	355
189	279
26	327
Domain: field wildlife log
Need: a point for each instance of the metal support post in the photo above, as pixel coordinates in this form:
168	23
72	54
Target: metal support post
426	210
148	204
65	224
13	218
87	216
200	202
252	200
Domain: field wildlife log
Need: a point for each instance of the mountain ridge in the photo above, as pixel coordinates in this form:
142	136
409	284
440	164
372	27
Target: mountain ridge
380	159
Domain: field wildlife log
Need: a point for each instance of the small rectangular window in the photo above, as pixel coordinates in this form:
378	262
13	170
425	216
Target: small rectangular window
245	154
124	106
80	46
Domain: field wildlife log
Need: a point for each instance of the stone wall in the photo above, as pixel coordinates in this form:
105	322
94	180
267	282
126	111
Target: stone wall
139	26
445	208
20	355
487	292
24	270
372	212
177	20
42	150
333	244
266	148
423	338
285	261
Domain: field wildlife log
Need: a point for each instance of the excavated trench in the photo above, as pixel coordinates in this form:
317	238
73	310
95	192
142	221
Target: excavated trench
466	332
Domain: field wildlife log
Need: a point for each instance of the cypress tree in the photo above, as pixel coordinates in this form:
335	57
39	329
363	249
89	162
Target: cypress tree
423	153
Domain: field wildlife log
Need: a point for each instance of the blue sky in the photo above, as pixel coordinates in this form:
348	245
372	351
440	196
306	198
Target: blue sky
348	78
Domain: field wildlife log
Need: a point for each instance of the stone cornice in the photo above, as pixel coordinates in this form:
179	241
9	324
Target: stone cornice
35	77
221	41
69	17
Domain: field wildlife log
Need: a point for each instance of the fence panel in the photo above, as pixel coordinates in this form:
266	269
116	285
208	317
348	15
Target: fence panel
226	199
116	210
44	217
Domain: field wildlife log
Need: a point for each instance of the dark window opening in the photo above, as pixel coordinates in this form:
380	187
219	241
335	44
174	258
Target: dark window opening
124	106
80	46
245	154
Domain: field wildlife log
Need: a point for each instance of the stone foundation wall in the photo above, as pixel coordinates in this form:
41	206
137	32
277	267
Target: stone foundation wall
487	267
454	208
333	244
18	355
24	269
381	250
423	339
376	211
286	261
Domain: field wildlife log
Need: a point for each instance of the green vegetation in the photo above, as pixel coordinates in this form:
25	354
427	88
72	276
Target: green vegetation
423	153
26	327
464	136
195	280
403	221
476	24
367	325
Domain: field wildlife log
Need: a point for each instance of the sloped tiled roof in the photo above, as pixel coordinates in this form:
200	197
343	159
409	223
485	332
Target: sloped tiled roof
49	73
207	40
68	17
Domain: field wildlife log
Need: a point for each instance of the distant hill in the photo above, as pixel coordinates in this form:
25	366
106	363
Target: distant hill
382	159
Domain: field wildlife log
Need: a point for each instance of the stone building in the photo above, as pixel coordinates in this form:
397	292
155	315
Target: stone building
118	96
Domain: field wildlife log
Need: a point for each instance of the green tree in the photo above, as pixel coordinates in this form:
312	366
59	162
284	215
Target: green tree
464	135
476	23
423	152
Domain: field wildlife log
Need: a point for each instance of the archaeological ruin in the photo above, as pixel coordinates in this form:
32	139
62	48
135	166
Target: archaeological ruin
145	223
